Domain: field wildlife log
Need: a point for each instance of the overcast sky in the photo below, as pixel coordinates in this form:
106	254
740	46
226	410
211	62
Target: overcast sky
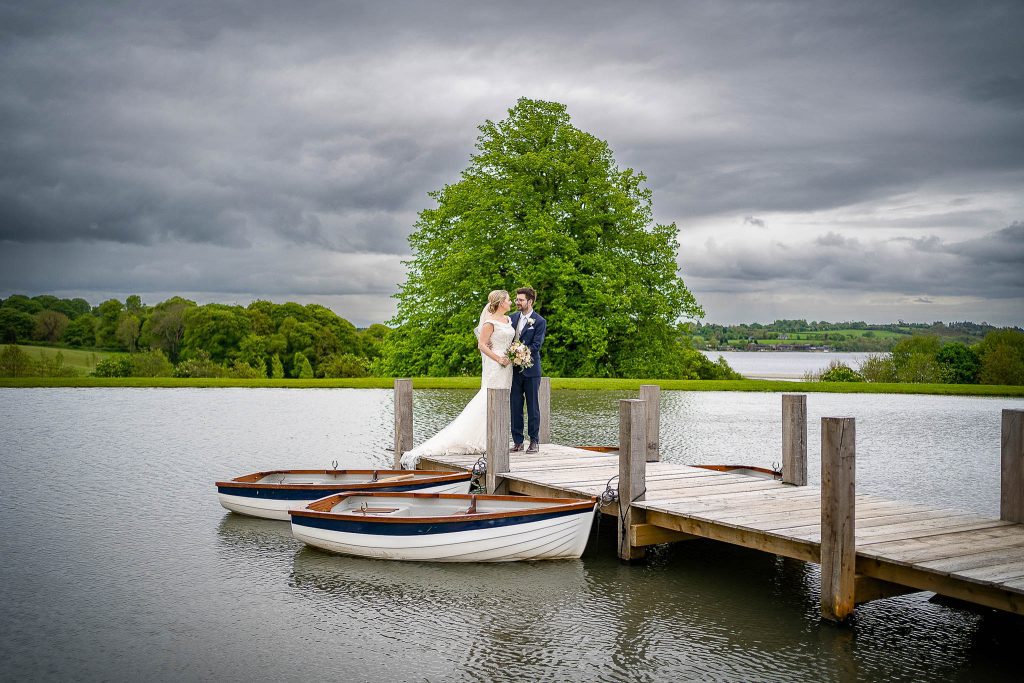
827	161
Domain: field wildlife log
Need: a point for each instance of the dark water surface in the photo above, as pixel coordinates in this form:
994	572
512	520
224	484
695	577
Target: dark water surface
117	563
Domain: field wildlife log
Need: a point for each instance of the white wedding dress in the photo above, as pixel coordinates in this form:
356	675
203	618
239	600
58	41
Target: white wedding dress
467	433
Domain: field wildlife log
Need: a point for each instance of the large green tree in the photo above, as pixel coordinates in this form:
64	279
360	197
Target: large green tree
544	204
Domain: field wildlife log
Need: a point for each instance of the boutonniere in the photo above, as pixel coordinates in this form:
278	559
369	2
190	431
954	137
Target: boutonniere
529	323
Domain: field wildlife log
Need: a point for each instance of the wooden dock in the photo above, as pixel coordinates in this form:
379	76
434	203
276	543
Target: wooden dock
869	547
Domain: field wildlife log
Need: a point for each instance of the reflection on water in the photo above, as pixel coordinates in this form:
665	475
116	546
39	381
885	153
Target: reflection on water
118	563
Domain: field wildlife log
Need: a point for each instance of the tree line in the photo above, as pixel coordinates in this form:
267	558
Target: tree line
998	358
178	337
836	336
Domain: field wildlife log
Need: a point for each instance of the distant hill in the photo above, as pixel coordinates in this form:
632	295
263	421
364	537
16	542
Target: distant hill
800	335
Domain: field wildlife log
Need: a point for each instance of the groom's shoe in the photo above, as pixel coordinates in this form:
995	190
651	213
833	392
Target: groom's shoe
534	447
516	447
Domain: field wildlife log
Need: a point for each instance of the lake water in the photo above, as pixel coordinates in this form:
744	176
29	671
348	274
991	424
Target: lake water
788	365
118	563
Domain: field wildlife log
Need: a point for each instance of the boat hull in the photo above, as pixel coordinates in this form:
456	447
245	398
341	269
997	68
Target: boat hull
272	501
554	535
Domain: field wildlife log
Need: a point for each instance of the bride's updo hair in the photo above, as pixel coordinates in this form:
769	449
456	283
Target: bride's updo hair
495	298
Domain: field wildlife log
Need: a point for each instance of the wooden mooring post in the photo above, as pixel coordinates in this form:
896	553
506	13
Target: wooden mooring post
838	552
544	399
651	393
499	429
632	473
794	439
1011	471
403	419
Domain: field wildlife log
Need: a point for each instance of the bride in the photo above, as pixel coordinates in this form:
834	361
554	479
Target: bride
467	433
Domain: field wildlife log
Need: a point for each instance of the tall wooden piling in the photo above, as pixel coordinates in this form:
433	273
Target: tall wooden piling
499	429
632	472
1011	471
403	419
651	393
838	554
794	439
544	398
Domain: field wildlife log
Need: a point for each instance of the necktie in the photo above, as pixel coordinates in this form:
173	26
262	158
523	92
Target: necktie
519	328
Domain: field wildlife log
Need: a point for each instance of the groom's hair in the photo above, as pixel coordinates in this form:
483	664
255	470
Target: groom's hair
528	293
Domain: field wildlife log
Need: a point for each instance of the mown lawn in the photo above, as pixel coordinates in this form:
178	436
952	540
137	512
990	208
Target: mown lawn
556	383
81	360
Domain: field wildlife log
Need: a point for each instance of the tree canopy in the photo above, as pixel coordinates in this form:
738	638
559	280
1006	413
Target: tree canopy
543	204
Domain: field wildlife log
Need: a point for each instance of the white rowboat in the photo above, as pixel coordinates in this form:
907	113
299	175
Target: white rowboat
446	527
270	494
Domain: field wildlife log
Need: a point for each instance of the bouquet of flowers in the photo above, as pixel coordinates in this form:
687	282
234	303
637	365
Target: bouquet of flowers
520	355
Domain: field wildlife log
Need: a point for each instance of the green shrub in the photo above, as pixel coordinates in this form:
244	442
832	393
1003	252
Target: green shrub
276	368
877	368
837	371
242	370
199	366
958	364
301	367
116	365
16	363
343	365
151	364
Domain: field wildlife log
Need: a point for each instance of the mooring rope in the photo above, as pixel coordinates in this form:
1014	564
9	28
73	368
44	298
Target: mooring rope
611	495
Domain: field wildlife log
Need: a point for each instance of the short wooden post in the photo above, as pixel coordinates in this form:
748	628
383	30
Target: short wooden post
838	554
652	394
499	430
403	419
632	472
1011	471
794	439
544	398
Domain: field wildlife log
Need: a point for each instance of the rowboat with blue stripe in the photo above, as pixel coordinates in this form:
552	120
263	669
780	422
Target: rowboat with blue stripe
446	527
269	494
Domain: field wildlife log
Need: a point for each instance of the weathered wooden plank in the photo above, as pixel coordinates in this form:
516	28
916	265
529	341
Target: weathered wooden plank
499	418
632	469
953	544
794	439
799	550
648	534
1011	470
801	522
837	517
651	393
544	400
996	573
867	588
1005	597
915	534
987	558
723	501
403	419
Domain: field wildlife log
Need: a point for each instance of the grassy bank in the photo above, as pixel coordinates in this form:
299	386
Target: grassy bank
556	383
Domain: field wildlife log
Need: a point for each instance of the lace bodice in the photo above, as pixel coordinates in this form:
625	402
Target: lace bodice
496	376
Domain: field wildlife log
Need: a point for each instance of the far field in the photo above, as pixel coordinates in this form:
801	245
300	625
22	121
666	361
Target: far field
83	361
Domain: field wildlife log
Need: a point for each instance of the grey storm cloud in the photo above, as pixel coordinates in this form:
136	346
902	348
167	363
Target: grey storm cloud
991	265
310	134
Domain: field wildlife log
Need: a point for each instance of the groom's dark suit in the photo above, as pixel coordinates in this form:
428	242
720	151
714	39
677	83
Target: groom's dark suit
526	383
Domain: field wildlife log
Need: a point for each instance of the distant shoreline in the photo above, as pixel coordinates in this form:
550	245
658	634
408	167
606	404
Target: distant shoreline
557	383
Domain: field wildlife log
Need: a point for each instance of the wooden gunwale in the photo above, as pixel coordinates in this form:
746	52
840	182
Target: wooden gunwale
251	481
321	507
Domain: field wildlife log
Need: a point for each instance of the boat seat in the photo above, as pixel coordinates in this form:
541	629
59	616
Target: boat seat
376	511
397	477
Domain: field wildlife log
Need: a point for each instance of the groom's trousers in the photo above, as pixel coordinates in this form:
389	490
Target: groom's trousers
526	388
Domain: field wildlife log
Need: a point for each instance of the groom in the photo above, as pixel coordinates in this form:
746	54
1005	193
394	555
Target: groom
530	329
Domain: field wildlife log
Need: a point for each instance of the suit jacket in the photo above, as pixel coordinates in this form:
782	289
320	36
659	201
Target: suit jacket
533	337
